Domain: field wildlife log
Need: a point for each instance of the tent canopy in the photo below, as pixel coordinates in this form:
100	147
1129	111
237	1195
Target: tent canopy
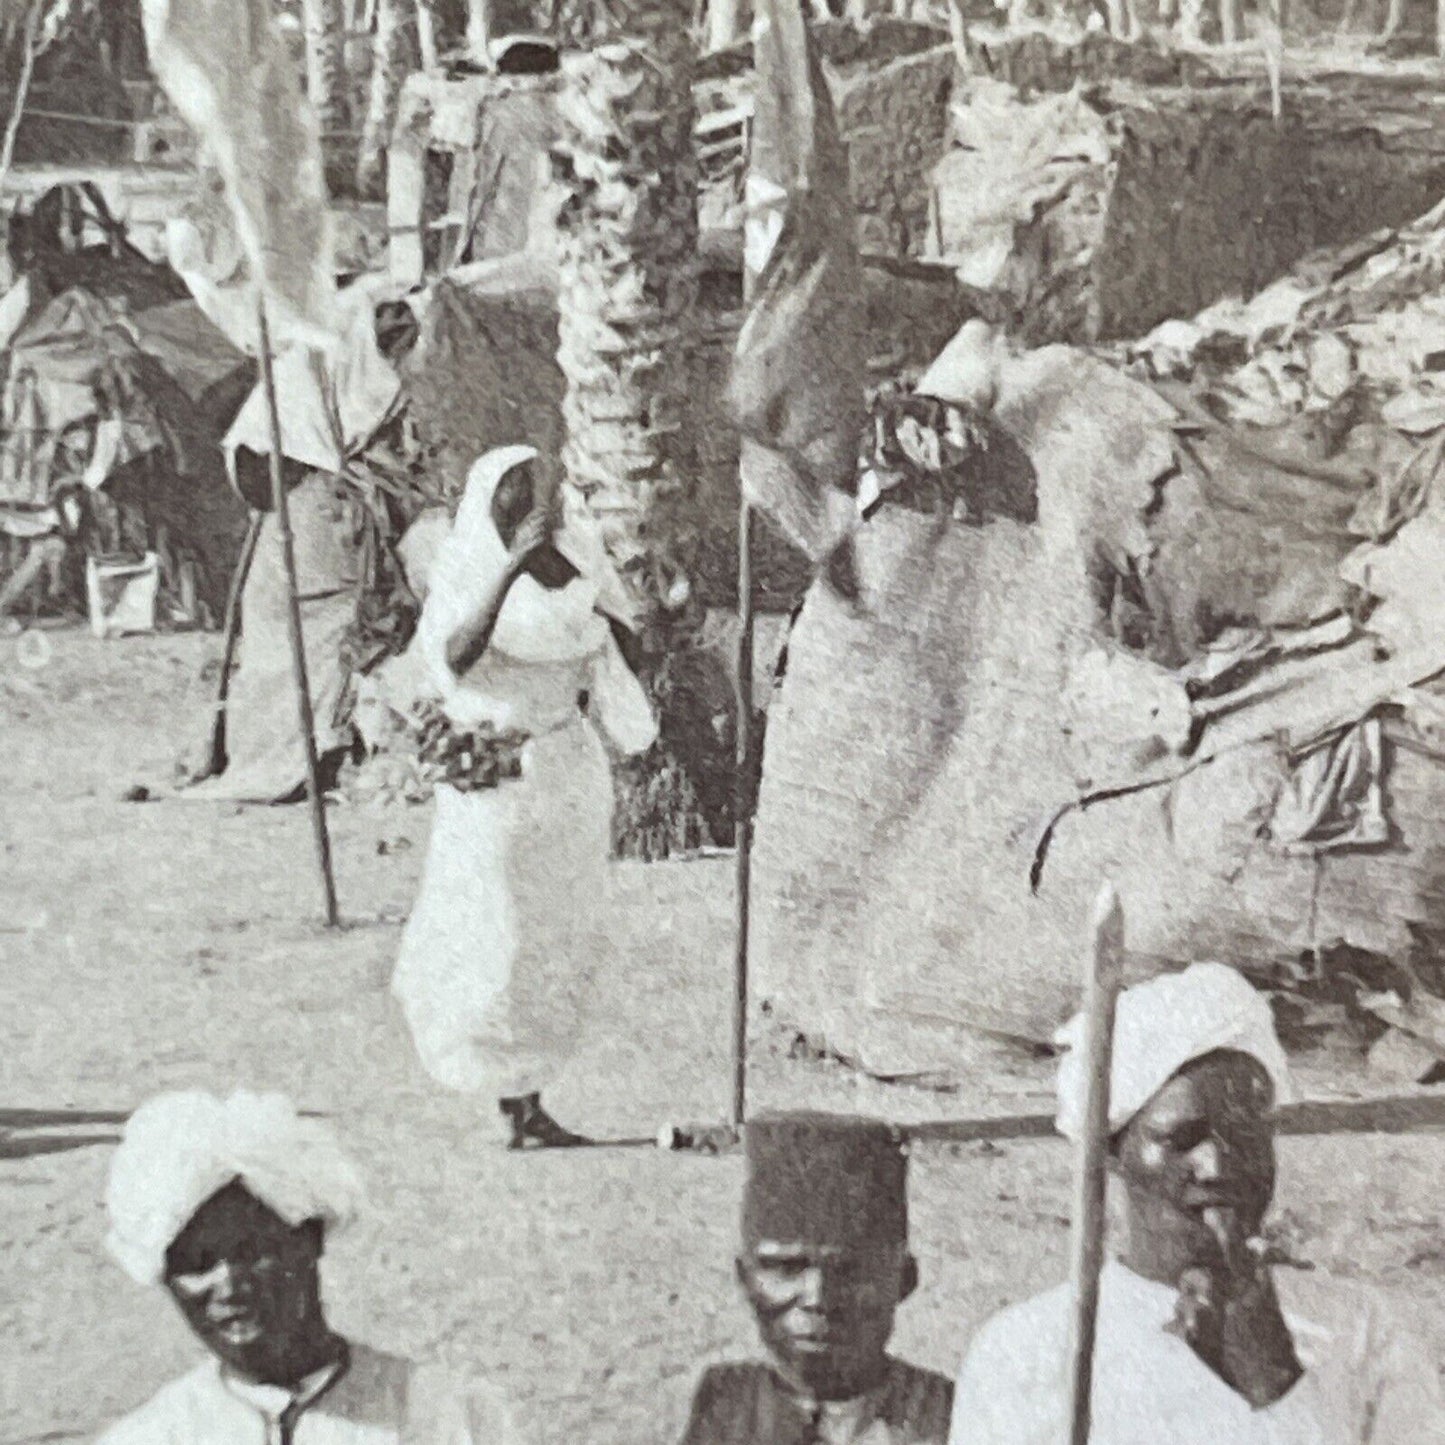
80	357
132	402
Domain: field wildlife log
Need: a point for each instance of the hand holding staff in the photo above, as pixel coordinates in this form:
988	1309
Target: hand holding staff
1101	992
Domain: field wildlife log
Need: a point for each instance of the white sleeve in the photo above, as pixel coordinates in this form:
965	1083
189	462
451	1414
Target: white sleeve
444	1410
442	613
419	547
991	1399
619	703
1404	1401
162	1420
490	1418
125	1432
454	593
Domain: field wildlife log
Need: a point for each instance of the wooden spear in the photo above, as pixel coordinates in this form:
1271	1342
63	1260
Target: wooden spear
1101	993
304	713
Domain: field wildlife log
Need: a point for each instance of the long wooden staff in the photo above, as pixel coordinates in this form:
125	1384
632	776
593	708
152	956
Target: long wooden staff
304	711
1101	994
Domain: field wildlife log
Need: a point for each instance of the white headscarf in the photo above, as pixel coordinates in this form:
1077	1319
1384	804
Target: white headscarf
179	1149
536	624
1161	1026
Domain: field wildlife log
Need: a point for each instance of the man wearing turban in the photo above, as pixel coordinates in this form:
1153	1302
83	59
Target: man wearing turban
824	1265
228	1204
1199	1341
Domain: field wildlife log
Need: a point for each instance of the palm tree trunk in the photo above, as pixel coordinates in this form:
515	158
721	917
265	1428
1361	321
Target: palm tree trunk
324	23
627	296
393	58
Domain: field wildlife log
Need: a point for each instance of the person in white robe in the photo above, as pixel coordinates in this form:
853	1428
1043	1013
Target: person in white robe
1203	1337
228	1205
496	963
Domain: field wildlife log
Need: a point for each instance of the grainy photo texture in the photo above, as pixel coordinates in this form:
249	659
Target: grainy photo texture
722	723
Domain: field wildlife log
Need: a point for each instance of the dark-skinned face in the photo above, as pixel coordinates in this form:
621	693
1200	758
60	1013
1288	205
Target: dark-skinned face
247	1283
825	1314
1204	1142
512	504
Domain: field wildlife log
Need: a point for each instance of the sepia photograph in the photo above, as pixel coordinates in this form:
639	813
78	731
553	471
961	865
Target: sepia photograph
722	722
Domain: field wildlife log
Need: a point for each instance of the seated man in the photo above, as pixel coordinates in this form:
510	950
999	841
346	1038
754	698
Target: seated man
824	1265
1199	1341
228	1205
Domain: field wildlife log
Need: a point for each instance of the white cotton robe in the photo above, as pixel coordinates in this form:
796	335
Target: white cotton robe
496	963
380	1400
1366	1382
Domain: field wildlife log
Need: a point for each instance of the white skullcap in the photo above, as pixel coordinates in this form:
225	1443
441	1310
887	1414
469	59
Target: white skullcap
179	1149
1161	1026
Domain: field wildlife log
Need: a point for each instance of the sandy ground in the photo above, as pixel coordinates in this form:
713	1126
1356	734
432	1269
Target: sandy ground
148	946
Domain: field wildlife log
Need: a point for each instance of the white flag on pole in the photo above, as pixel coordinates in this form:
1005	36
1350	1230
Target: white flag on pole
226	70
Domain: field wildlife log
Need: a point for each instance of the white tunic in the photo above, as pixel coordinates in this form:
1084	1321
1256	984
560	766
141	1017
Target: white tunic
496	969
496	965
1365	1379
380	1400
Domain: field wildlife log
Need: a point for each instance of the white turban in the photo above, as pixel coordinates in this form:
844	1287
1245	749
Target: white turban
179	1149
1161	1026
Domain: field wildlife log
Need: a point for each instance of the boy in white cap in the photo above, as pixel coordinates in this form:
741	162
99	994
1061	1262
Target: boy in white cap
1199	1342
228	1205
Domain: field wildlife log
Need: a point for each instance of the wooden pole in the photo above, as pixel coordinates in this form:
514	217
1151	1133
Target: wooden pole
744	792
217	759
743	810
1101	993
293	623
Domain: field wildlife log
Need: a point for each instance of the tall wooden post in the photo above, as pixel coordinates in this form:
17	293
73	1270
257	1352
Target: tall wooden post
745	795
304	714
1101	994
744	791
